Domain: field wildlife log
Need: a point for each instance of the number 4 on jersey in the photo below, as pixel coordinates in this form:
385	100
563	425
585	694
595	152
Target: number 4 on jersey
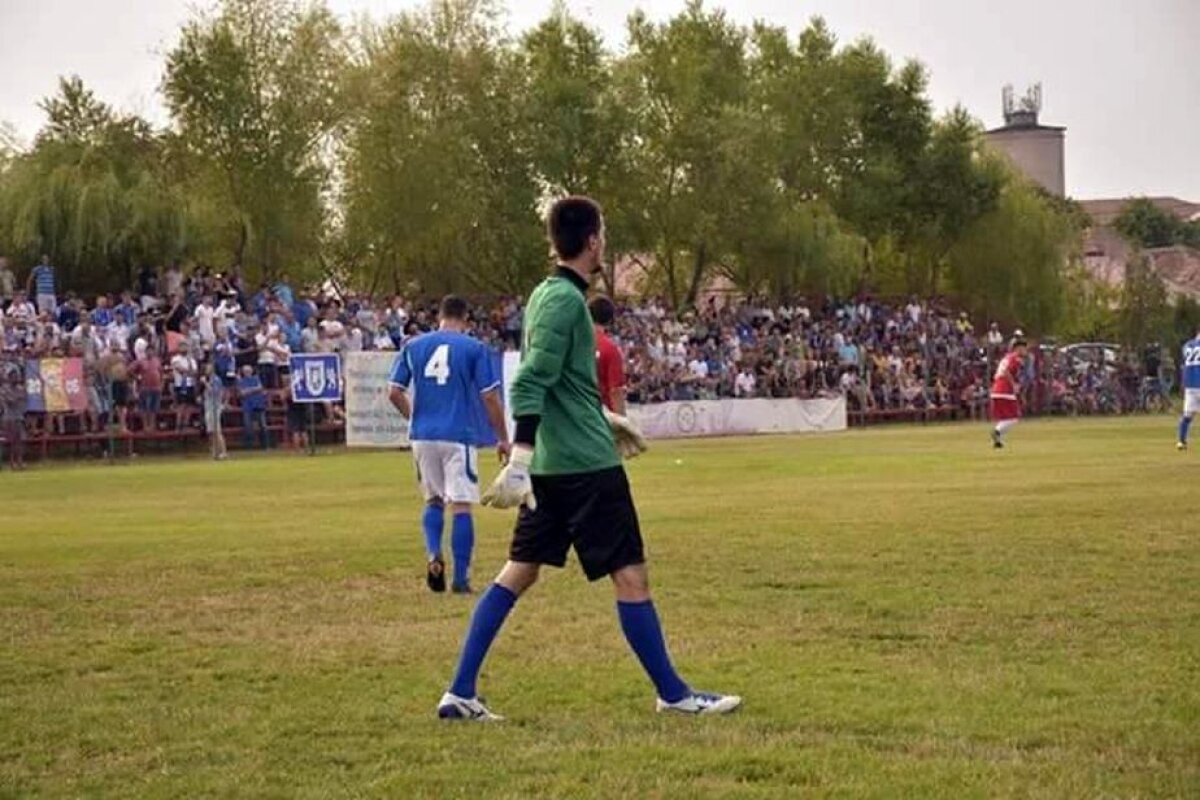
438	366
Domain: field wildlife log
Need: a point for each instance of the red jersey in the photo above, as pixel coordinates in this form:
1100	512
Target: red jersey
610	368
1004	385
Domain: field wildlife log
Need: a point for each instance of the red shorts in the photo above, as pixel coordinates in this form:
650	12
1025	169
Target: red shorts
1004	408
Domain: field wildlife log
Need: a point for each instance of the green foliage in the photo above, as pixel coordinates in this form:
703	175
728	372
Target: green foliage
1009	264
94	192
1146	225
1145	315
254	91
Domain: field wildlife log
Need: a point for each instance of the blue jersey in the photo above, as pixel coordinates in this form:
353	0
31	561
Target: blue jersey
445	374
1191	364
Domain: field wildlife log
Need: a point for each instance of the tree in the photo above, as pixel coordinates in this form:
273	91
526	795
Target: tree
1009	264
685	84
438	182
253	90
1144	313
94	192
1146	225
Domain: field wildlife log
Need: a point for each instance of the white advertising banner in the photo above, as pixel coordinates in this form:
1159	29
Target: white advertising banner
682	420
371	419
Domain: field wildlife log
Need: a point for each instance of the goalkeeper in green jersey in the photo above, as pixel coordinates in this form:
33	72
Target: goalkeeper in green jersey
565	473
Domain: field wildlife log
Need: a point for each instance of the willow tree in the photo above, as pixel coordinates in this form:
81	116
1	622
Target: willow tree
94	192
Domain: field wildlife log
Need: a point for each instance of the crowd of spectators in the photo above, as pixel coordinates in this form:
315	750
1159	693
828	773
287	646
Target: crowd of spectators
201	340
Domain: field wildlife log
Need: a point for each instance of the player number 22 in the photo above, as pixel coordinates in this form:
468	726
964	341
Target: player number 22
1191	356
438	366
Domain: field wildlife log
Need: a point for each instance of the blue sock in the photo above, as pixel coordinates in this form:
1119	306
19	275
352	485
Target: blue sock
432	523
640	623
490	613
1184	424
462	542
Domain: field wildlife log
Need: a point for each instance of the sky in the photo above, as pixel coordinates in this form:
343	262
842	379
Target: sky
1122	77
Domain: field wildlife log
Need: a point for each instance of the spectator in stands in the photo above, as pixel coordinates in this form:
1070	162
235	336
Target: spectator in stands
253	398
96	419
213	394
8	284
114	368
147	370
205	316
184	372
272	353
21	310
14	402
41	286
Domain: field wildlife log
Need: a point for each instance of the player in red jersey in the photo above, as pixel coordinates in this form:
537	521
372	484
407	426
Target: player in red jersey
610	364
1006	388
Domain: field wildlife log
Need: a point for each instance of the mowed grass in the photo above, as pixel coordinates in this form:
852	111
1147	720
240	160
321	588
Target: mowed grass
907	613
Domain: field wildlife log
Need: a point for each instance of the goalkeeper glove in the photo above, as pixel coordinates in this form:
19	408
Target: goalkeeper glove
629	440
512	486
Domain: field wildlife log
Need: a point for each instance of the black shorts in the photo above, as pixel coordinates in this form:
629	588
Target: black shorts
121	396
297	418
592	511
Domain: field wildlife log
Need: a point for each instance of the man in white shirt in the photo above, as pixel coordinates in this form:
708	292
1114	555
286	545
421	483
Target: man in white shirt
226	313
184	371
21	310
204	316
272	351
745	383
698	367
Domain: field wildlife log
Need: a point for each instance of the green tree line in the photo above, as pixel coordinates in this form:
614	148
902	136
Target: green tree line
420	151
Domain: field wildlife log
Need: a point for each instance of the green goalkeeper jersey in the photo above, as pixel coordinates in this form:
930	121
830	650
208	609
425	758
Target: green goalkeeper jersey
557	381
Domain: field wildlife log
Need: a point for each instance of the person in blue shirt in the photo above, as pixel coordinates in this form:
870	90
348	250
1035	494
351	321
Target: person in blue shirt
254	407
1190	367
437	383
41	286
128	310
283	291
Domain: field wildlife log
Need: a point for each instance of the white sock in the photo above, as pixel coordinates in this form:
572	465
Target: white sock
1003	426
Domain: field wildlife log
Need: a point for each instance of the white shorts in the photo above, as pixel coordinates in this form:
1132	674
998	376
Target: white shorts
1191	401
447	470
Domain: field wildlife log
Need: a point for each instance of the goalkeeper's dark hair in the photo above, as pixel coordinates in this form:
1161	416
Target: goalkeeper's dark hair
453	307
603	311
571	222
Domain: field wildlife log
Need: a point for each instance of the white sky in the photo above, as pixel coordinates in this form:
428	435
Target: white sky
1123	77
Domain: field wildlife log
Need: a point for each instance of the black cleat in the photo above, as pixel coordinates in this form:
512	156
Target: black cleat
996	442
462	588
435	575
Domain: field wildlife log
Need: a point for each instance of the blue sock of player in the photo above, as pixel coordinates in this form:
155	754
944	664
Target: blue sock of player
642	630
490	613
432	522
1184	424
462	542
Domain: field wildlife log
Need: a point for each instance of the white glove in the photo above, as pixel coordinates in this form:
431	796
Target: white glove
630	442
512	486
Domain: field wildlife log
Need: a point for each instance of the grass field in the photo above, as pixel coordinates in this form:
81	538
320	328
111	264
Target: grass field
907	613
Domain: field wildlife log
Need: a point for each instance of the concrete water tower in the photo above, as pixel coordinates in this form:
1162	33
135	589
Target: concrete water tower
1035	149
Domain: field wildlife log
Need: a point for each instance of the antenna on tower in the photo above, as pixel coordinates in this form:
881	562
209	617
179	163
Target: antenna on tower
1022	113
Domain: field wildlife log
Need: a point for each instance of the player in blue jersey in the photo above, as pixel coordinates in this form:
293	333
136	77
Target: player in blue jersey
438	383
1190	367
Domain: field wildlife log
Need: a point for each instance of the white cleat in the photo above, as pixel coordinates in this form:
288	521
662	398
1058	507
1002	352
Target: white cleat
454	707
698	703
